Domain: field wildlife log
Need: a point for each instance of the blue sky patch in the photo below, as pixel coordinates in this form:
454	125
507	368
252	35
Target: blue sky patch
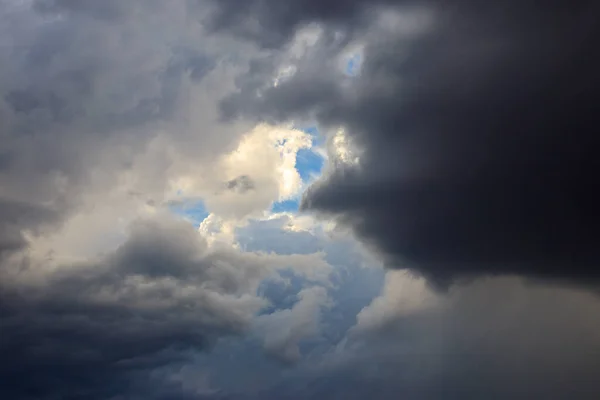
192	210
353	65
308	164
311	130
285	206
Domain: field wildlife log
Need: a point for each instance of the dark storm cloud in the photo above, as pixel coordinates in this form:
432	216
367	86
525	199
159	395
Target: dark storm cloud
478	135
271	22
99	330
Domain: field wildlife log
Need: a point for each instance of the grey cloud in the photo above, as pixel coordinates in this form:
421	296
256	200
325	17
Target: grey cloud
285	329
95	330
494	338
109	9
86	86
241	184
477	132
272	23
18	216
313	90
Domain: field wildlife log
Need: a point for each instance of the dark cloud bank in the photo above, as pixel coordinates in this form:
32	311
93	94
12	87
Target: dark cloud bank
97	330
478	134
479	139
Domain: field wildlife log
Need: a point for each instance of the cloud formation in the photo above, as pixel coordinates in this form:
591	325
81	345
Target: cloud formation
499	338
85	330
476	129
87	91
92	329
148	147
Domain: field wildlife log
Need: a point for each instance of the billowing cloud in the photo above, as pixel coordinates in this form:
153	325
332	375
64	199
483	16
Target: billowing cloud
475	126
153	156
107	109
499	338
91	329
284	329
86	330
98	97
258	172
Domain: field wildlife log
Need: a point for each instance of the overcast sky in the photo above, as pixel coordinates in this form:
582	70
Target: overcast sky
303	199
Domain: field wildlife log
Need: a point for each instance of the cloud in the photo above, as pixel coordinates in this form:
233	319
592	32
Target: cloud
475	126
146	146
95	97
92	329
270	24
107	110
87	330
16	216
242	184
402	296
247	180
284	329
499	337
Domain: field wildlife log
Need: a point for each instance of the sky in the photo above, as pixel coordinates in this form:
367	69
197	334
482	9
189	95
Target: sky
214	199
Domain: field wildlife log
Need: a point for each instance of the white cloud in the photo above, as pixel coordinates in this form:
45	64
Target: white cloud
265	158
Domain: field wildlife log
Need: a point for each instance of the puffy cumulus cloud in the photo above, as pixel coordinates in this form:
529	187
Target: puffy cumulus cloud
475	125
258	172
245	182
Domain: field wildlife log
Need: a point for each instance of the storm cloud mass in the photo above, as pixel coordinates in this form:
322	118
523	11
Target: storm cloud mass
263	199
478	137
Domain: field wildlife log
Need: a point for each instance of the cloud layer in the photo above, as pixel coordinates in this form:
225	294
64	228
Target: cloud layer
153	157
